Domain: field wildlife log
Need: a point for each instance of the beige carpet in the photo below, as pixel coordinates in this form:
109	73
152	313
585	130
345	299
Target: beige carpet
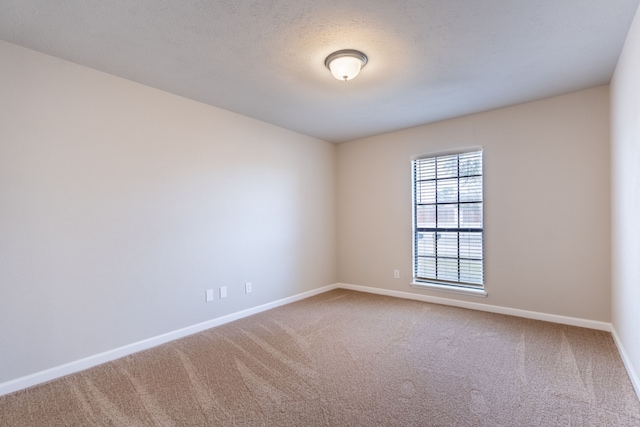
345	358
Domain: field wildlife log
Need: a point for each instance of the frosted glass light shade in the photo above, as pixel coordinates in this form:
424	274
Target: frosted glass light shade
345	64
345	68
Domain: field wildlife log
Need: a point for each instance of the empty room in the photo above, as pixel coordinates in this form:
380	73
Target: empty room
300	213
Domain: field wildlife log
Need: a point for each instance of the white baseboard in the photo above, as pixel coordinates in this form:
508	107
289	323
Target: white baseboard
633	375
573	321
110	355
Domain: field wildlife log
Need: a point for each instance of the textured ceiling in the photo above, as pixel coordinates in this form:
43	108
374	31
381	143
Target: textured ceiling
428	59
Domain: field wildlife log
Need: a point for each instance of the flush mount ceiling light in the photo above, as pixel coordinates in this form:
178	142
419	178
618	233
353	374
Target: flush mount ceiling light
345	64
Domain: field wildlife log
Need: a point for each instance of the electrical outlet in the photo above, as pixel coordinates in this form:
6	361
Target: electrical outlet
247	287
396	274
223	292
209	295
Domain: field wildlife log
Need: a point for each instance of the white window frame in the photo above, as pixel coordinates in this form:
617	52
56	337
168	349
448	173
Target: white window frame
433	283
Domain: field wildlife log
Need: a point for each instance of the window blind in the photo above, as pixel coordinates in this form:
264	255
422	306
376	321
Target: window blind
448	223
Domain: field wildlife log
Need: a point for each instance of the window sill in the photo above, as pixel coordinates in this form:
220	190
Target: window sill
450	289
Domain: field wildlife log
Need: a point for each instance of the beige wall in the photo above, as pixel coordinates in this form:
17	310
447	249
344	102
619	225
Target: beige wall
120	205
625	160
546	192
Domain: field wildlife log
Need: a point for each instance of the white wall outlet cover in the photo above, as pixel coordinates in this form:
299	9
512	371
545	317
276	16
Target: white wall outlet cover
247	287
209	295
223	292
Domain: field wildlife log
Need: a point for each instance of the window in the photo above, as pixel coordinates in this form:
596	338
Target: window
447	212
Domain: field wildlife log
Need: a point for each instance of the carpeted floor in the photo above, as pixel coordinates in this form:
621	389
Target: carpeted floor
346	358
